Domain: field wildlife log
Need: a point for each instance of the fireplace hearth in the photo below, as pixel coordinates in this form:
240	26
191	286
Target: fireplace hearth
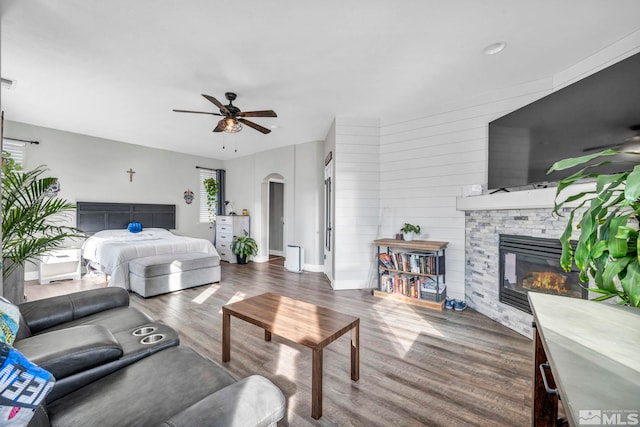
532	264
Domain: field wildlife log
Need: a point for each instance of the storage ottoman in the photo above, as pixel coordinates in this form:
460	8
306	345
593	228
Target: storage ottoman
159	274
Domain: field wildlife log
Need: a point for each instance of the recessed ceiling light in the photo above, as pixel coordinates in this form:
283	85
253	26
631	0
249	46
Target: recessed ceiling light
494	48
8	84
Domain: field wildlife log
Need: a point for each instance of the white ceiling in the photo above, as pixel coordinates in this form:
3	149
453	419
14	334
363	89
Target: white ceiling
115	69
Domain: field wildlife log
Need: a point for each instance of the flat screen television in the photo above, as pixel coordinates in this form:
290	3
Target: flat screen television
598	112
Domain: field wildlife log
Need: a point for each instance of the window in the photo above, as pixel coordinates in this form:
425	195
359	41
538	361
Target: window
16	150
204	209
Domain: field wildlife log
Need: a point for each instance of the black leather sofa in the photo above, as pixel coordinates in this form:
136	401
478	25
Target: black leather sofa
115	366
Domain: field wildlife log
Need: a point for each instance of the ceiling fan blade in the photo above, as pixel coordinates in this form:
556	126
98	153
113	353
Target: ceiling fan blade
217	104
254	125
263	113
220	127
199	112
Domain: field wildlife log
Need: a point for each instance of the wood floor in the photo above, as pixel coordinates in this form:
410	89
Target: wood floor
417	366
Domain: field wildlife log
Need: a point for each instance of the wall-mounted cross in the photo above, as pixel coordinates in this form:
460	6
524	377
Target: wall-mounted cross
131	172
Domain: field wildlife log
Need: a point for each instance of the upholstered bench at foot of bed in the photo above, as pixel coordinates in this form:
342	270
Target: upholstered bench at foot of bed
160	274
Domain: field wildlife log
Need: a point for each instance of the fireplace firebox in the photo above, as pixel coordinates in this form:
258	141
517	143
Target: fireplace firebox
532	264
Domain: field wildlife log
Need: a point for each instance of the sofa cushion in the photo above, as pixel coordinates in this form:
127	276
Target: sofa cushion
159	265
145	393
68	351
115	320
256	400
49	312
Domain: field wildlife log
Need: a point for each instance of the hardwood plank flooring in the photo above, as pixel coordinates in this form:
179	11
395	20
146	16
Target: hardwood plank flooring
417	366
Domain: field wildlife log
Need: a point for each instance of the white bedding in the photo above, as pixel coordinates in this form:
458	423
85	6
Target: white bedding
113	249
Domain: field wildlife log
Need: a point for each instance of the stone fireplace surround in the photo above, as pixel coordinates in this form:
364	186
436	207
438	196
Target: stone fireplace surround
527	213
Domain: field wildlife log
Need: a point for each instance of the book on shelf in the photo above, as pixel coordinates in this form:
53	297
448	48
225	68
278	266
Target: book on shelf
405	284
385	260
419	262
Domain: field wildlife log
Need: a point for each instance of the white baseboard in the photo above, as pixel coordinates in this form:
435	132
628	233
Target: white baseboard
31	275
313	268
341	285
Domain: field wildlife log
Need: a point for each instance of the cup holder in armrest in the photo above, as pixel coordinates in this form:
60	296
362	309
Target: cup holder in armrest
152	339
146	330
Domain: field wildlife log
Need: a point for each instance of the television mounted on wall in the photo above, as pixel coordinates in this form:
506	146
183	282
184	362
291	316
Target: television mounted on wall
598	112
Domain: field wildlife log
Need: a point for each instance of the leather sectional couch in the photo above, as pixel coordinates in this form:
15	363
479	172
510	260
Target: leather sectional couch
115	366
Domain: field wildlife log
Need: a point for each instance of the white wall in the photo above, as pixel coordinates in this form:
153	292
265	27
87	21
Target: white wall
425	161
94	170
300	166
356	202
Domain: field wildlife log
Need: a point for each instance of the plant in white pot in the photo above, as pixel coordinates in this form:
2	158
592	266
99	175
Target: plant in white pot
33	223
410	231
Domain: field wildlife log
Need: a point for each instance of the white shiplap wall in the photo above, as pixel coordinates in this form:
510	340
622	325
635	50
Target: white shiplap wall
356	202
425	161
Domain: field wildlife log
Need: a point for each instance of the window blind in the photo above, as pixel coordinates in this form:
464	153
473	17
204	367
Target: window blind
16	149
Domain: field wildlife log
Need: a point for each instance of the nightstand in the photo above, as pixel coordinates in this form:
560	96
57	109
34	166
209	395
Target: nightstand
60	264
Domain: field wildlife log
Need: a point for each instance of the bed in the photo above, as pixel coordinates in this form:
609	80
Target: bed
110	246
110	251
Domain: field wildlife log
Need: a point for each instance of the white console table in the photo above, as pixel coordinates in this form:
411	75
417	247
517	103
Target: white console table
60	264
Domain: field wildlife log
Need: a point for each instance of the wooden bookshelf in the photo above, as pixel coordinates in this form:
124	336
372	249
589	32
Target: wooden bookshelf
418	248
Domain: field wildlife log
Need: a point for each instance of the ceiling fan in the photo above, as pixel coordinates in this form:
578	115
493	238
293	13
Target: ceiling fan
233	116
624	144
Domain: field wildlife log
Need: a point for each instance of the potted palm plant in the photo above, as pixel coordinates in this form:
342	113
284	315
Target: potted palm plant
607	250
33	222
244	247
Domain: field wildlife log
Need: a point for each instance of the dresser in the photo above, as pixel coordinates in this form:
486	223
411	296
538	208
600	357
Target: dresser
228	226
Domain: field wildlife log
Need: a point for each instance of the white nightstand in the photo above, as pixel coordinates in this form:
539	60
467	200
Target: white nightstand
60	264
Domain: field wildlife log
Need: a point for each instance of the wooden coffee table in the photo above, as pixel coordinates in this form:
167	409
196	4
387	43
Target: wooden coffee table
300	322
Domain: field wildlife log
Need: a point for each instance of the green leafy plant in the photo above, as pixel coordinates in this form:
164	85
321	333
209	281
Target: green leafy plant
32	222
244	247
607	249
409	228
211	187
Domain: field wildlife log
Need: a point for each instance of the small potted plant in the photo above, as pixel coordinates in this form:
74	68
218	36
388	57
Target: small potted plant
410	231
244	247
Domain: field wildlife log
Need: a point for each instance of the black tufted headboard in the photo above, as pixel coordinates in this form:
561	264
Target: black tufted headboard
92	217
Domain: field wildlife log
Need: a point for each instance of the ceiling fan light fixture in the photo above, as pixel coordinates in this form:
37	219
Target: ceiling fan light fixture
231	125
